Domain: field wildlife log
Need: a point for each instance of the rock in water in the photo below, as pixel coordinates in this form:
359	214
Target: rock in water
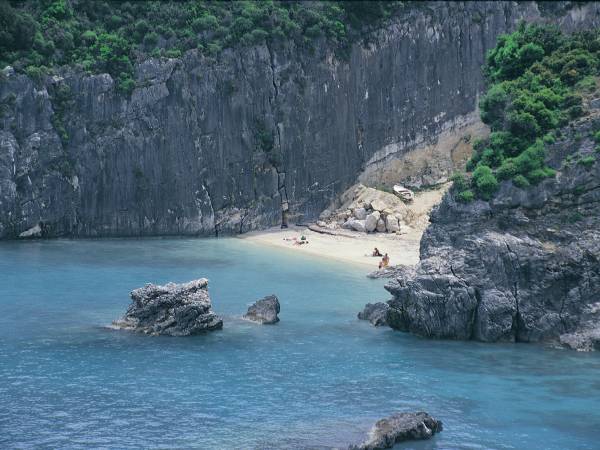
172	310
376	313
400	427
264	310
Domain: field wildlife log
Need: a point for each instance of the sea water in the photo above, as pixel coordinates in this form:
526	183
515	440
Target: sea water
318	379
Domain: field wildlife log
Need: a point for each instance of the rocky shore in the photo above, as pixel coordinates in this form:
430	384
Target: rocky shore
523	267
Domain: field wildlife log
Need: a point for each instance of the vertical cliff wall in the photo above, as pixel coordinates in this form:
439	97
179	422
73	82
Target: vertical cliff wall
209	146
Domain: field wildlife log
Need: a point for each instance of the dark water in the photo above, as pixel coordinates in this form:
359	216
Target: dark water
318	379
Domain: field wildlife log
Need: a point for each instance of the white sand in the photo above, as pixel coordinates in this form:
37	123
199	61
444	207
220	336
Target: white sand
402	249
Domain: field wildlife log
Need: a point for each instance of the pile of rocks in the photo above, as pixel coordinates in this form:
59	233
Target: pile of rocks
368	210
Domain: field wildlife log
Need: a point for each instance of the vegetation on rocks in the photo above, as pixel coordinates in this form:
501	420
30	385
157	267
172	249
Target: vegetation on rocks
109	36
536	79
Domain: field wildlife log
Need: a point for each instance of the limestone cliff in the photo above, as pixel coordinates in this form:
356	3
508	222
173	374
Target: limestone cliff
523	267
209	146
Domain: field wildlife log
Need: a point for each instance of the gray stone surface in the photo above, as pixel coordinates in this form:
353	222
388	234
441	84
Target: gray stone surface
371	221
192	125
523	267
376	313
172	310
264	311
400	427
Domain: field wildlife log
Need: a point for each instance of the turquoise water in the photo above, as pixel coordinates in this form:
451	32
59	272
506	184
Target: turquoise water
317	379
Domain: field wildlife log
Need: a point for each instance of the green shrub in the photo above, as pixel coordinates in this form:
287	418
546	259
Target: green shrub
485	182
151	39
466	196
459	183
507	170
535	76
587	161
521	181
549	138
537	175
173	53
597	137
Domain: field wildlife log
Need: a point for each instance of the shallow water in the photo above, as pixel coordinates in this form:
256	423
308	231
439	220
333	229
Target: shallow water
317	379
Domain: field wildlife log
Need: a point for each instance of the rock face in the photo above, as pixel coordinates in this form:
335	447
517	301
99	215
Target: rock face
172	310
398	428
245	136
523	267
376	313
264	311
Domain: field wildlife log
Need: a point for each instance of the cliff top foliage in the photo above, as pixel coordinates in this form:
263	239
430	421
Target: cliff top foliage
536	78
109	36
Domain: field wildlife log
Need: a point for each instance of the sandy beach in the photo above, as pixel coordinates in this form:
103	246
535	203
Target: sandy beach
355	248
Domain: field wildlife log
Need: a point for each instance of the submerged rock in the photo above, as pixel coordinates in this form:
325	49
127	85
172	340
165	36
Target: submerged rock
376	313
172	310
264	311
398	428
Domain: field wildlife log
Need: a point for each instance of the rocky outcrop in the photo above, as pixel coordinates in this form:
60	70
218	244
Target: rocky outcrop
523	267
243	137
264	311
376	313
398	428
172	310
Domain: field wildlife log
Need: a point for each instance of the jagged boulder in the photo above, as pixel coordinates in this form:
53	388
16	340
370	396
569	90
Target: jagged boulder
371	221
172	310
398	428
391	223
360	213
379	204
355	224
376	313
264	311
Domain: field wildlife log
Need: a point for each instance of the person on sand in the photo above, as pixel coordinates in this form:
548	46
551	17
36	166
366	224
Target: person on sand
385	260
376	252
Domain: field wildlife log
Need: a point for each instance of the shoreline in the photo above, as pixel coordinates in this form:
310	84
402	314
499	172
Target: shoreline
353	249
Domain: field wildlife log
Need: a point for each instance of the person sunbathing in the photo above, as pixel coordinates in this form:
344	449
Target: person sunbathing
385	260
376	252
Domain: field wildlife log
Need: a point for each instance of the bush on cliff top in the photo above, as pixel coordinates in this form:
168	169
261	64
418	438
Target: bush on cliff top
108	36
535	76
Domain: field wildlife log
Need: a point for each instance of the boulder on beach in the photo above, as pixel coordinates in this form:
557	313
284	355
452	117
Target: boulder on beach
391	223
398	428
172	310
264	311
371	221
360	213
355	224
376	313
